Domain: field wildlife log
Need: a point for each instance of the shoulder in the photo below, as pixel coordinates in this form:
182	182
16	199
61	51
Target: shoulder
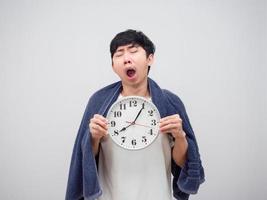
101	93
173	99
98	97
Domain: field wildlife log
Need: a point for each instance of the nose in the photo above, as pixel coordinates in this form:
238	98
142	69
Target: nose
127	59
127	62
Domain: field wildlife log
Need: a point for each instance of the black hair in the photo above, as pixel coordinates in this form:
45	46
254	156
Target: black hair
132	37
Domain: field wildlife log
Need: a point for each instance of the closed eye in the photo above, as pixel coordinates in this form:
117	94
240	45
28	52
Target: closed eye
119	54
133	49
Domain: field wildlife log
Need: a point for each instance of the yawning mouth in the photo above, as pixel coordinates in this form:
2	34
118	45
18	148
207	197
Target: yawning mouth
130	72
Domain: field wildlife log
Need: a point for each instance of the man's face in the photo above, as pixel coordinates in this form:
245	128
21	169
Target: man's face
130	63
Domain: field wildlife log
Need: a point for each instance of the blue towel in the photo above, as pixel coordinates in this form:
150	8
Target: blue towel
83	178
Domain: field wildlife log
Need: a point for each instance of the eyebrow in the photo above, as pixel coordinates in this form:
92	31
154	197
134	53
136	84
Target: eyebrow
128	47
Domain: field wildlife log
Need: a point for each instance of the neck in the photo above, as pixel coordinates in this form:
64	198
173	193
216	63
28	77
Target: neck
141	90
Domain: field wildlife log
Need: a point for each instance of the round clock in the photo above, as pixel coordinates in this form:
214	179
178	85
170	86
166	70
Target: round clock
133	122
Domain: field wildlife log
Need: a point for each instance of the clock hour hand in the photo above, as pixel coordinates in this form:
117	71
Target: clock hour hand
124	128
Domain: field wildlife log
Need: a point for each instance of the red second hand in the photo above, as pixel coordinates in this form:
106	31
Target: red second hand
138	124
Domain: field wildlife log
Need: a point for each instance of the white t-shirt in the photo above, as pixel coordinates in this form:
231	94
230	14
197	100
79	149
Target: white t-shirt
135	174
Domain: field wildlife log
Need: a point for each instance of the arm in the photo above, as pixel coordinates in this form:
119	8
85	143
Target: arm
173	124
180	150
95	145
189	177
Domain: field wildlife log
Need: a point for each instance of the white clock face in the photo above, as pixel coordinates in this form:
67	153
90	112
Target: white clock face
133	122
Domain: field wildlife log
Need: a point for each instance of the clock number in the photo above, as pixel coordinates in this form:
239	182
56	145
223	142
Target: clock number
133	103
116	132
144	138
150	112
153	122
151	132
123	139
134	142
123	106
113	123
117	114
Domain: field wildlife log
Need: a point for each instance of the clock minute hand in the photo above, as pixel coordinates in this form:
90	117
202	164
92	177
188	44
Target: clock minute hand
124	128
138	113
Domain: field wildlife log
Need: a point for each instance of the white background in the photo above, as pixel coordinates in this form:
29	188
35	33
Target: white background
55	54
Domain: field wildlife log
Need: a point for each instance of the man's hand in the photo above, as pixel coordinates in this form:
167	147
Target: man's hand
172	124
98	129
98	126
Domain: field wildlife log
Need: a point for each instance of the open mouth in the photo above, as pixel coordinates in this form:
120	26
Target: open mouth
130	72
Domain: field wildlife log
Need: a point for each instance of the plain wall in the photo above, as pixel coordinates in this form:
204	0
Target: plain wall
55	54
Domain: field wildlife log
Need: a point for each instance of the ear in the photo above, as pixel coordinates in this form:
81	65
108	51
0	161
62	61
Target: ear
150	59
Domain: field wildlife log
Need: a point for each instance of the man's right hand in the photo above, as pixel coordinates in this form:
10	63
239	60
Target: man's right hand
98	129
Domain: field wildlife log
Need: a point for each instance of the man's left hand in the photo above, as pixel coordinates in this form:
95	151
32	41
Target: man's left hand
172	124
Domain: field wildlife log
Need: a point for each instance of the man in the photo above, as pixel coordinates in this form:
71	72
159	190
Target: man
115	177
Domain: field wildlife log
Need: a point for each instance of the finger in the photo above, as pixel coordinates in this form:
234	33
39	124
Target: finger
98	130
168	131
99	122
98	119
98	127
174	132
172	116
169	127
175	116
97	116
171	121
